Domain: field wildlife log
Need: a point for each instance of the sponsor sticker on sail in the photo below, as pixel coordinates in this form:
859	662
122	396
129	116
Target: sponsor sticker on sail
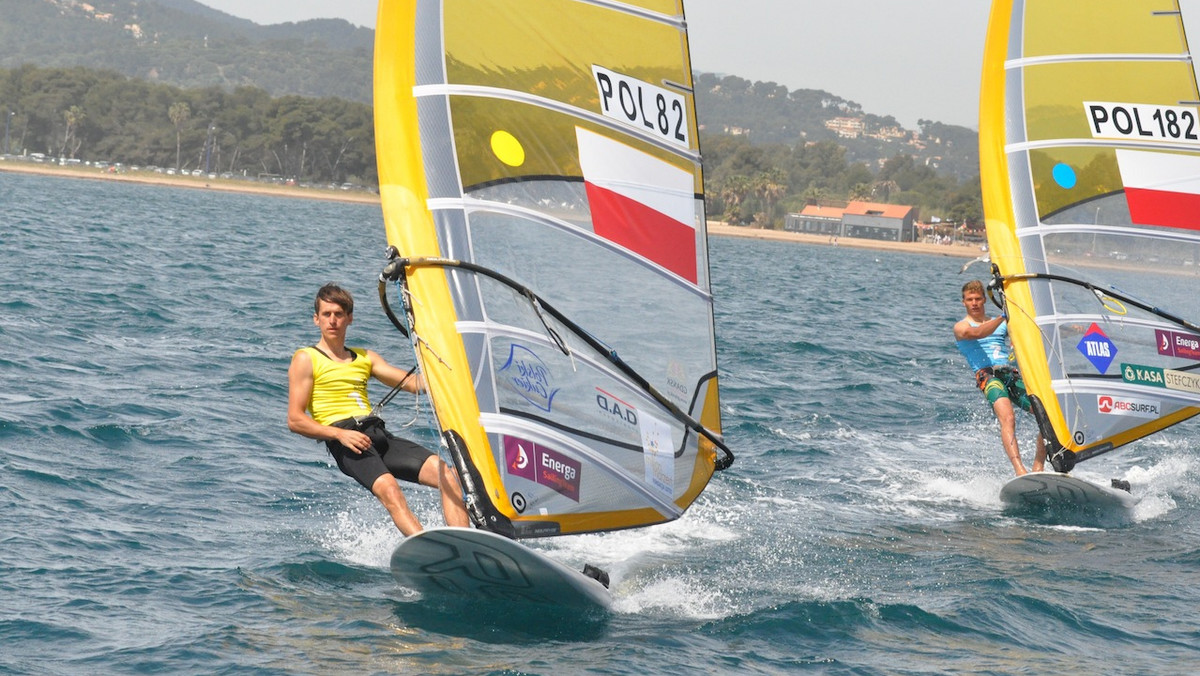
1181	380
658	454
1138	408
1176	344
1098	349
542	465
1137	374
1161	189
640	202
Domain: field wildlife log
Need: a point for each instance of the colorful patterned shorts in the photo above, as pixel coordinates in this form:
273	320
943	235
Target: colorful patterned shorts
1003	382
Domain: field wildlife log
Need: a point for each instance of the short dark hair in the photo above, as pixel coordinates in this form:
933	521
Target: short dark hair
973	285
332	293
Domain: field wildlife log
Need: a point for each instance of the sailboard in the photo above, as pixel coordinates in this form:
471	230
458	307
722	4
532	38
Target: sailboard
476	563
542	194
1057	490
1090	168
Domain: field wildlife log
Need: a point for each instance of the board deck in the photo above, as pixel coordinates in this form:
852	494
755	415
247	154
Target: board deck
468	562
1054	489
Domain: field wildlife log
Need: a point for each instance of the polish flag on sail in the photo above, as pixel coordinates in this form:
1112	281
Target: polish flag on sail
1161	188
640	202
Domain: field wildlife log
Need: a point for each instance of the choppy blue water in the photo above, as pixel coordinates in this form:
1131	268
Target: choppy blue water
159	518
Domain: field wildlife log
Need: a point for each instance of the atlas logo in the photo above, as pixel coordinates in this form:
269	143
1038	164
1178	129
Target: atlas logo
1097	348
529	376
1138	408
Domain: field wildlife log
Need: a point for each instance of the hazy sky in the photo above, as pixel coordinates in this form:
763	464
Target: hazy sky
919	59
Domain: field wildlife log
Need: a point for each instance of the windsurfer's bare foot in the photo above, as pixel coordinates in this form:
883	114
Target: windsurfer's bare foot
1021	470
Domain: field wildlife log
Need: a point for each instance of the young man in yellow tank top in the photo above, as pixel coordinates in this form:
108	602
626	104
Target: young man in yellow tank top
327	399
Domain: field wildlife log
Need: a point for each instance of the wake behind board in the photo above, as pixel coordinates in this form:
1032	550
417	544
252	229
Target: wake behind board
467	562
1052	489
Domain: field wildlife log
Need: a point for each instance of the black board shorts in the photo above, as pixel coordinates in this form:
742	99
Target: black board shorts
388	454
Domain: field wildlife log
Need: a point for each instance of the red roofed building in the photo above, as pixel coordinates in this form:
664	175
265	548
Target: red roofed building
864	220
816	220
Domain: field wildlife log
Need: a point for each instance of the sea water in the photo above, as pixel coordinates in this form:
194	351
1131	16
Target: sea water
158	517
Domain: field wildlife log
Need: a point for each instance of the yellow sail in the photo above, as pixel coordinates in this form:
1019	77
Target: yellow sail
1090	166
540	178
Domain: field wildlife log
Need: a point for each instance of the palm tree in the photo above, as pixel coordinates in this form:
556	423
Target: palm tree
73	117
771	186
733	192
179	113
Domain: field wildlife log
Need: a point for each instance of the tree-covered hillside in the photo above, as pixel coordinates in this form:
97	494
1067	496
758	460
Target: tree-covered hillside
186	44
79	113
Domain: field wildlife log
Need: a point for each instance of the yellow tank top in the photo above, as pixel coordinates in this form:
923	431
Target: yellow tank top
339	390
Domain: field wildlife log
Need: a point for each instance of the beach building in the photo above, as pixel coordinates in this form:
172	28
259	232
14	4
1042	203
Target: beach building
816	220
864	220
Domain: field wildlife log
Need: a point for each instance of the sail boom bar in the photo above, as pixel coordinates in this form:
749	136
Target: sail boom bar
495	329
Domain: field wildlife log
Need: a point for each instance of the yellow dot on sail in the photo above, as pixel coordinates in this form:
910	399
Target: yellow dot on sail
508	149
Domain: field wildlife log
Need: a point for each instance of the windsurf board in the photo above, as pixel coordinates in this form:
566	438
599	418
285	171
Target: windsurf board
1055	489
470	562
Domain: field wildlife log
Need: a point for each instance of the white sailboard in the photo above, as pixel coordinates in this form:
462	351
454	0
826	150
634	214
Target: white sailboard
1054	489
475	563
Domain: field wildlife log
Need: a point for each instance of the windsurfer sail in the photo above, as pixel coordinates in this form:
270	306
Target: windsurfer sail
1090	164
541	185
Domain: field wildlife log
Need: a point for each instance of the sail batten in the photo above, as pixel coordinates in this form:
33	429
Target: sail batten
1090	163
553	252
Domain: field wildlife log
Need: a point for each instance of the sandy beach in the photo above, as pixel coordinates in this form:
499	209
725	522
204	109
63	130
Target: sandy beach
197	182
715	228
955	250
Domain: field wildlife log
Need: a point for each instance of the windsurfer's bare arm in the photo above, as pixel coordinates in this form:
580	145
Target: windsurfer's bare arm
390	375
964	331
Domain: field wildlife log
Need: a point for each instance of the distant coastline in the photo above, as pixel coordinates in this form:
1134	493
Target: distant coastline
929	248
197	182
716	228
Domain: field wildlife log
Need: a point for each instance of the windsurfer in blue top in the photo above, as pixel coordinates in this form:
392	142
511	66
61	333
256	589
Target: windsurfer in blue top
984	342
327	400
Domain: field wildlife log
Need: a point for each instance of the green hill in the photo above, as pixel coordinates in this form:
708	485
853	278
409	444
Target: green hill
186	44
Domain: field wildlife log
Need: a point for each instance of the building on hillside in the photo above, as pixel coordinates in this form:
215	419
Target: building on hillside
846	127
864	220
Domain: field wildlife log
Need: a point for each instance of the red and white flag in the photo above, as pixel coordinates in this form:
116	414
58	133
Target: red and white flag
640	202
1161	188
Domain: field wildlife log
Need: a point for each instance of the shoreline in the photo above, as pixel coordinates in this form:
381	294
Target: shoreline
192	183
715	228
952	250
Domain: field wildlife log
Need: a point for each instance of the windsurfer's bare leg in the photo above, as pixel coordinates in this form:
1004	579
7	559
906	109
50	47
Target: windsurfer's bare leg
436	473
1039	460
388	491
1008	433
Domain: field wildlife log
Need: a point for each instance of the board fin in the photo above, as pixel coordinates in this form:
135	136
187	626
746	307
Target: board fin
601	576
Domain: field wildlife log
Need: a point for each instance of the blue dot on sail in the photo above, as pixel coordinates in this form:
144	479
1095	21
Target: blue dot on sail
1064	176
